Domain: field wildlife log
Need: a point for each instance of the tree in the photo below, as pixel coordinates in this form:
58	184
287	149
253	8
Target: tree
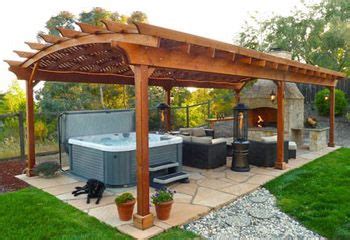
318	36
97	14
14	100
137	16
63	19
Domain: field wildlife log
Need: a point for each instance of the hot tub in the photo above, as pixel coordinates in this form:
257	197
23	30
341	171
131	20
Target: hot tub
111	158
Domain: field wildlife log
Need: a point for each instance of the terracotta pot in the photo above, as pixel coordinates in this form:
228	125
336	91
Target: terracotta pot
125	210
163	210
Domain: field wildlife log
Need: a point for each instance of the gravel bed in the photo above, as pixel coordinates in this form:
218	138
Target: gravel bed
254	216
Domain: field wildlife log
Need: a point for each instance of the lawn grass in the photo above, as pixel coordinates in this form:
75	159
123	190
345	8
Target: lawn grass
318	194
176	234
33	214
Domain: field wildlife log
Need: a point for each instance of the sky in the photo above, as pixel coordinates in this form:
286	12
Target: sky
216	19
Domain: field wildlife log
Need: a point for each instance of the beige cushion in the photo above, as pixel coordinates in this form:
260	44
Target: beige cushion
218	140
186	138
198	132
185	130
292	145
269	139
203	140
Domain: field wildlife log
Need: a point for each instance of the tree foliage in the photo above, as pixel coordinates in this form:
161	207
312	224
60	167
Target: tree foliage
322	102
319	35
14	100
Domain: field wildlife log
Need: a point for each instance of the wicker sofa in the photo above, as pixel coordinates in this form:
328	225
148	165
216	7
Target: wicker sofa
200	150
264	153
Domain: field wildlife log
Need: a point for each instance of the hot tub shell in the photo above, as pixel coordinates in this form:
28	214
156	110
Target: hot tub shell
116	166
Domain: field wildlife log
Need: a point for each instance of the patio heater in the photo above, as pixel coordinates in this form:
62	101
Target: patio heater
163	109
240	143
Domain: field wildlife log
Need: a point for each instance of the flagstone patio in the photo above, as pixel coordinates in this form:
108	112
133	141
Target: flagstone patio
207	190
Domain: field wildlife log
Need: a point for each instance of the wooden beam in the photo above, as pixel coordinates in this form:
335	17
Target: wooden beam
163	58
113	78
260	63
30	121
13	63
37	46
24	54
246	60
88	28
63	43
119	27
161	32
331	116
143	218
70	33
52	38
280	164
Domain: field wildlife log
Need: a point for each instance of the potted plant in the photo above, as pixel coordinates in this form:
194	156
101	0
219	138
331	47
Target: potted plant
46	169
125	205
163	200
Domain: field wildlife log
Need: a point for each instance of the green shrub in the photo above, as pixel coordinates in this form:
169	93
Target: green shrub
123	198
46	169
322	102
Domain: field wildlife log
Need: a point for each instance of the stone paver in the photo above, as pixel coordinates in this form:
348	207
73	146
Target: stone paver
189	188
238	176
182	213
65	188
108	214
260	179
139	234
240	189
182	198
82	205
40	183
212	174
211	198
214	183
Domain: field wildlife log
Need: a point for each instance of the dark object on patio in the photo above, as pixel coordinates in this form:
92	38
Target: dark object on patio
264	153
240	161
204	153
240	143
292	150
93	189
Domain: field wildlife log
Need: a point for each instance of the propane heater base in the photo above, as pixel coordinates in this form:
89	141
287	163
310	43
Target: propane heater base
240	161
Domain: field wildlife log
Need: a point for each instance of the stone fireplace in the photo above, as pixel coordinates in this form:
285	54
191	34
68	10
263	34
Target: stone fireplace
262	115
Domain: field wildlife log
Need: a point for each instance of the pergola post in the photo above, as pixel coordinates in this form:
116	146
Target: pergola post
280	164
143	218
30	122
168	101
237	95
331	116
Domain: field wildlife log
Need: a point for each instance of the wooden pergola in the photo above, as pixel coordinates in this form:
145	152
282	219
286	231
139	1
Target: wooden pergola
145	55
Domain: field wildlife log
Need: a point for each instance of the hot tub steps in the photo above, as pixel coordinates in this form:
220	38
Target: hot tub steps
172	177
161	166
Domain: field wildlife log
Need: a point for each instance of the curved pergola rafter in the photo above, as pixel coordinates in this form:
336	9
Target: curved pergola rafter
141	54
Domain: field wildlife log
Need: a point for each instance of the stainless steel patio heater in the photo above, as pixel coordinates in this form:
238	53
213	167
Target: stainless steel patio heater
240	143
163	109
